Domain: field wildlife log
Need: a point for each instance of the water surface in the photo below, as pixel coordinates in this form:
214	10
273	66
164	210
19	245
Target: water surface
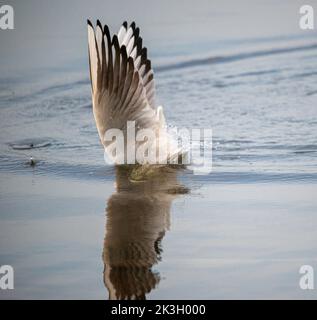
74	227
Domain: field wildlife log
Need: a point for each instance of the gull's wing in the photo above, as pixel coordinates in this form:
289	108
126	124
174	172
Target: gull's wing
121	79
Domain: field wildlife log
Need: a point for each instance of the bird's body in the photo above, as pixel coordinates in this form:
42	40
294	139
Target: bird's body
123	91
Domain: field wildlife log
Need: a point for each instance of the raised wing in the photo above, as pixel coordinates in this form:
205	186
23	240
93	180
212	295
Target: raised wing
121	79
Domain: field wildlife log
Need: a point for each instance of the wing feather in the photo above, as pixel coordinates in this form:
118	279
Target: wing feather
122	31
121	77
116	70
93	59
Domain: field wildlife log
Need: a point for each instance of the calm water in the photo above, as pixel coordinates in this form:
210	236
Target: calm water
73	227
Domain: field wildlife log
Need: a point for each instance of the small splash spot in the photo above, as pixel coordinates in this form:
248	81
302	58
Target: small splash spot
32	162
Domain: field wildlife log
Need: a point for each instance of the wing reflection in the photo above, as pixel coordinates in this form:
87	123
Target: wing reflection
138	215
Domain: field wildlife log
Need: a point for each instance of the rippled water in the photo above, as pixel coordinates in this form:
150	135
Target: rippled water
241	231
260	104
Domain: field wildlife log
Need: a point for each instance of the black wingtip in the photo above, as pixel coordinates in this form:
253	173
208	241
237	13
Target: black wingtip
138	46
144	53
89	23
136	33
125	24
132	25
123	51
99	24
115	41
106	30
148	65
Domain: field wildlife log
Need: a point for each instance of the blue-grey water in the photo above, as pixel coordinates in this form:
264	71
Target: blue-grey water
74	227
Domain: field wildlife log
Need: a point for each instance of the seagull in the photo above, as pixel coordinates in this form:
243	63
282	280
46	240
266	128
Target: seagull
123	92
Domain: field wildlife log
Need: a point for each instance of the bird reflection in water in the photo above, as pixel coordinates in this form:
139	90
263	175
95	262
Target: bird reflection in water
138	215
